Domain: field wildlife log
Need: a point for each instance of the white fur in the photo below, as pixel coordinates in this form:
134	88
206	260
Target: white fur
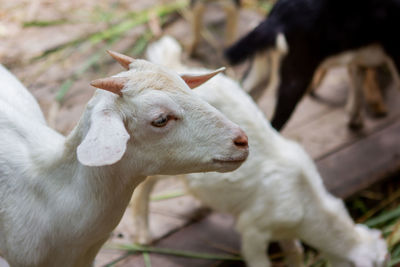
15	94
277	194
61	197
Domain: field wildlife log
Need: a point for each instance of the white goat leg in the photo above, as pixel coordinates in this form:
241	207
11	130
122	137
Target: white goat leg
318	77
254	247
372	93
140	209
264	73
355	99
293	252
232	13
258	75
197	25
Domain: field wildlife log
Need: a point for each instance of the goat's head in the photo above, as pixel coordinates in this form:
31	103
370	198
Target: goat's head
149	114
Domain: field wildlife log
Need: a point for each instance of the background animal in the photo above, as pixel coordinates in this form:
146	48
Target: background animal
60	197
197	8
277	194
361	65
314	31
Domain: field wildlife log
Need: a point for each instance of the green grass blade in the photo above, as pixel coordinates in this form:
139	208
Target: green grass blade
131	20
43	23
134	248
120	258
146	259
140	44
396	251
65	86
394	262
384	217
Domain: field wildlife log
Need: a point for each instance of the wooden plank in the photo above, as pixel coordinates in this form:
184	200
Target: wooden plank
321	127
328	131
363	163
213	234
333	89
165	217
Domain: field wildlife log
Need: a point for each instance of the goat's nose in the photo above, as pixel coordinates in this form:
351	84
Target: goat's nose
241	140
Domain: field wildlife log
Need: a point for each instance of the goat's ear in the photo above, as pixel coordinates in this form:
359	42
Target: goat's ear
196	80
105	142
111	84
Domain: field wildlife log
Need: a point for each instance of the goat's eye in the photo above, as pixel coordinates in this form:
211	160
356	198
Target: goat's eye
161	121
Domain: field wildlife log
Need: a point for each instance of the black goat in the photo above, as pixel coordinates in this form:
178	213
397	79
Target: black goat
315	30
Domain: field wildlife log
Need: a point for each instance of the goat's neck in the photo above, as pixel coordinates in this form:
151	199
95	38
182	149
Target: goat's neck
75	189
118	179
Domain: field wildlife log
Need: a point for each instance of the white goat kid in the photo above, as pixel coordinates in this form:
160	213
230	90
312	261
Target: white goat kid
277	194
61	197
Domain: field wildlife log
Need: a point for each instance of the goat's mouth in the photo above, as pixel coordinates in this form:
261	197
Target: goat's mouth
231	160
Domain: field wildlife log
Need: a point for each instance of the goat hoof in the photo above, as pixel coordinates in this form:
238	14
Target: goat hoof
192	49
142	239
378	111
355	125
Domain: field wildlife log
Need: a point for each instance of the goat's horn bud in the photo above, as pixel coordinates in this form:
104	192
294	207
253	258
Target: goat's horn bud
196	80
122	59
111	84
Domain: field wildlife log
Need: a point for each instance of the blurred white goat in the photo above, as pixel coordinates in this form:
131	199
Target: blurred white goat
277	194
61	197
